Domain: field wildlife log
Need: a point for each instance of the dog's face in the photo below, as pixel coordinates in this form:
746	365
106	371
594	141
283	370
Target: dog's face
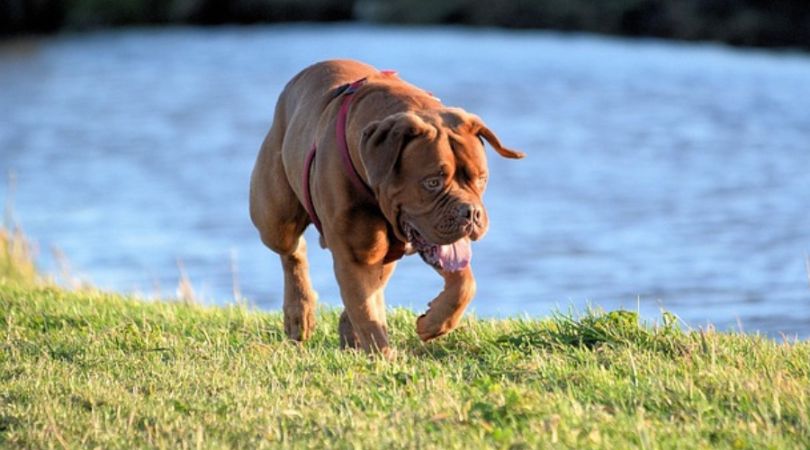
429	173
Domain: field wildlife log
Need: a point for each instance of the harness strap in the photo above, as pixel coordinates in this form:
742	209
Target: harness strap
396	248
343	146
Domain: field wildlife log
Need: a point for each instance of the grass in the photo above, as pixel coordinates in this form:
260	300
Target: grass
91	369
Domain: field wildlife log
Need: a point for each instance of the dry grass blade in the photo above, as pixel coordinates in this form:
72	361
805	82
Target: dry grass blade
185	290
16	257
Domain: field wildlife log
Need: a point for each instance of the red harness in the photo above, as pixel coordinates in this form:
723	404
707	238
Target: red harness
396	249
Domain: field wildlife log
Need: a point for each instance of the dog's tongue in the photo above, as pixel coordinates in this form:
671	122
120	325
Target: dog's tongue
455	256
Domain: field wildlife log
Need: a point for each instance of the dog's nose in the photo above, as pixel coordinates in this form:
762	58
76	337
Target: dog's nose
469	212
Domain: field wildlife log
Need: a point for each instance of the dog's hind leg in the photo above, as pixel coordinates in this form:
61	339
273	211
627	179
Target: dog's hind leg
299	297
286	239
281	220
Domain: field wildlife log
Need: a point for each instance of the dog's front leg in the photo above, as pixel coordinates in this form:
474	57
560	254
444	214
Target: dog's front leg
361	287
445	311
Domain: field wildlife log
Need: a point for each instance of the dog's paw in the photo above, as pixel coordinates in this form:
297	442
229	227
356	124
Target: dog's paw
387	353
429	330
299	324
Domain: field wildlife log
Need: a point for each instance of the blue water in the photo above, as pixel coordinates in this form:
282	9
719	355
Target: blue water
659	175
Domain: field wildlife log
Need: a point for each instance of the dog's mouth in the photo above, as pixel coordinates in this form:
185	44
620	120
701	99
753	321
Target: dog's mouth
448	258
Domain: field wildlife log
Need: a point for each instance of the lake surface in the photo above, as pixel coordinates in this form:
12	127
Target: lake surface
659	175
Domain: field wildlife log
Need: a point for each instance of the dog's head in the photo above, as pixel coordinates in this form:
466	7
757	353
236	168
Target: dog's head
429	172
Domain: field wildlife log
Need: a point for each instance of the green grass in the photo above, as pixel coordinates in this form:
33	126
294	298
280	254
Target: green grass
88	369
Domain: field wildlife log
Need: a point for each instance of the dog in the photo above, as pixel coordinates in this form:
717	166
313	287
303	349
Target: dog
383	169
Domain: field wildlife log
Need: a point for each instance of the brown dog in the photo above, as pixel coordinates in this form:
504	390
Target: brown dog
381	167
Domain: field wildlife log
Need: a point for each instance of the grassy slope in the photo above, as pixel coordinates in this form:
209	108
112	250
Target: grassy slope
86	369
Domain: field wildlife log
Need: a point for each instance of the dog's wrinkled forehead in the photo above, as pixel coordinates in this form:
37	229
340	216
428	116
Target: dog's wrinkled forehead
455	144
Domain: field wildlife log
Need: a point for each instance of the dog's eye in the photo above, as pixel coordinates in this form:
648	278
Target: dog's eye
433	183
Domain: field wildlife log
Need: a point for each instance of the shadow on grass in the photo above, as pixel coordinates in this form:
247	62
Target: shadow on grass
596	329
592	331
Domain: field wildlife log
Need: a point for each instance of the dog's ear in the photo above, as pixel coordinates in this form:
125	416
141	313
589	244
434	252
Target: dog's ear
383	141
480	129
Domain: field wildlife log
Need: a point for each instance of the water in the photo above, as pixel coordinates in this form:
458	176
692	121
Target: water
659	174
